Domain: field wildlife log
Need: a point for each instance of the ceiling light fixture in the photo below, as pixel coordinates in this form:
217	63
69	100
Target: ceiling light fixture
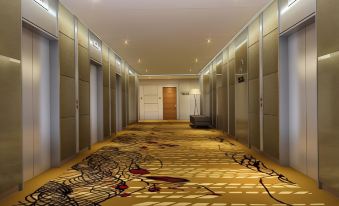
126	42
196	60
209	41
139	60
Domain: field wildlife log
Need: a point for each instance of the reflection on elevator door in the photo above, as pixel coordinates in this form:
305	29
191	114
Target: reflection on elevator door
36	104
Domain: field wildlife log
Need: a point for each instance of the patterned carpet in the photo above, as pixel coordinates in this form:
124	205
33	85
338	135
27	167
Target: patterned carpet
173	165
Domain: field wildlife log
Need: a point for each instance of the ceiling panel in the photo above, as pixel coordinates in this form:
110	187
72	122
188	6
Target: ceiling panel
169	35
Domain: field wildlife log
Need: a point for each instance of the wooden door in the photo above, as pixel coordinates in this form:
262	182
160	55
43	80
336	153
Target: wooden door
170	103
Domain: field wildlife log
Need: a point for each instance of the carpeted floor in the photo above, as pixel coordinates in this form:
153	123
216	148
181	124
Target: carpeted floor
170	164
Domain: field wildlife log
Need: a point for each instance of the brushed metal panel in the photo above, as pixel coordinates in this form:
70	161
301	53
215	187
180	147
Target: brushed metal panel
10	28
84	64
67	63
270	52
231	72
10	122
84	132
271	136
270	18
328	120
295	13
84	98
241	111
82	35
232	110
253	61
112	66
224	75
45	19
271	95
254	32
67	138
67	97
327	26
254	130
113	80
241	58
106	111
66	22
225	95
253	95
231	51
113	112
105	65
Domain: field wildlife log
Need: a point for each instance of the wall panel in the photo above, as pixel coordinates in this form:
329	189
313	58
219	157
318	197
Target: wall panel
270	57
10	87
328	98
67	84
241	88
231	95
225	85
113	91
10	29
106	90
84	88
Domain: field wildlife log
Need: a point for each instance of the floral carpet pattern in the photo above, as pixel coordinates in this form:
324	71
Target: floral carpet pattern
171	165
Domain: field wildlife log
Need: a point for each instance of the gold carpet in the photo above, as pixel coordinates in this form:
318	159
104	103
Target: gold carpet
170	164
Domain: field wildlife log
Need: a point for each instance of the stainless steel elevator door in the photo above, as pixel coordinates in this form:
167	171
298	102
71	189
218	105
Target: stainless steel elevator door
96	104
302	82
36	104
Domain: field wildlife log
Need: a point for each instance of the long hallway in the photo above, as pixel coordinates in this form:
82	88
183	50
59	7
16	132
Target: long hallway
170	164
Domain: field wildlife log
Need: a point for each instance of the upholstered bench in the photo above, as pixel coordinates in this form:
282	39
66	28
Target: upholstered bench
200	121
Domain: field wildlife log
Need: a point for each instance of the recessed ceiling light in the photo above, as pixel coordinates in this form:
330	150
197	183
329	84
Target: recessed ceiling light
209	41
196	60
139	60
126	42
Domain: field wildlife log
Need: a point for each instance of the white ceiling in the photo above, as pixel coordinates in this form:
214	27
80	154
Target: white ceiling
167	35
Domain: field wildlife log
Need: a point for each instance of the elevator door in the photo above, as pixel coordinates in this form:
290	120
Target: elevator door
170	103
303	101
96	101
35	104
118	99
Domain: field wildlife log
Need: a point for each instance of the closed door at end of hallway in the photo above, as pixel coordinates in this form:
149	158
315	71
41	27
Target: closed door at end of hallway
170	103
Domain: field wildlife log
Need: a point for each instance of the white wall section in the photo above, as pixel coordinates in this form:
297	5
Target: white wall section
151	102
